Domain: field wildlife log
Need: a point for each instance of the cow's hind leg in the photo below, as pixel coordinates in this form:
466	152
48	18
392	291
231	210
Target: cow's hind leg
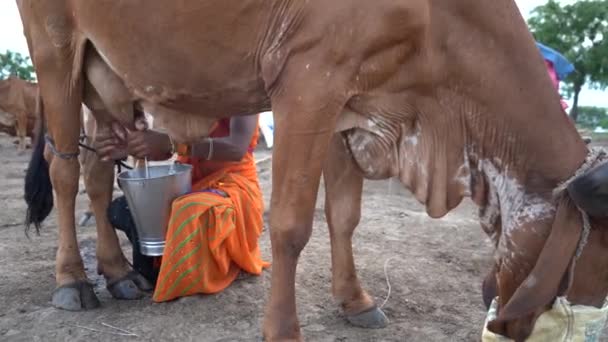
56	54
122	282
88	126
343	187
21	130
73	292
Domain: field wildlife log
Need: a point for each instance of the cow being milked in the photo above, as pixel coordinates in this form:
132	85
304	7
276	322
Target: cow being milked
18	114
451	97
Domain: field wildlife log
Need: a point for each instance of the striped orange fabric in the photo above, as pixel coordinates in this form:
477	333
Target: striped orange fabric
210	238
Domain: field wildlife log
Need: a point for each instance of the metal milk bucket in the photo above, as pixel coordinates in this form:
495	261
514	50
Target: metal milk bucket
150	200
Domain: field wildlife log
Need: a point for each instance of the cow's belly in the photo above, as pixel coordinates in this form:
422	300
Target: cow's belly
175	58
185	116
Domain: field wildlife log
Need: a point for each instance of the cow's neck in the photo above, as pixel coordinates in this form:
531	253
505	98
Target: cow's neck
495	103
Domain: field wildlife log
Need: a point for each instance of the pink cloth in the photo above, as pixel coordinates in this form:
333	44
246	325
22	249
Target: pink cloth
552	74
555	81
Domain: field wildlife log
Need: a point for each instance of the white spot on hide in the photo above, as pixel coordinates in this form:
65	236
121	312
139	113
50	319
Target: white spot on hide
509	199
463	177
530	282
412	140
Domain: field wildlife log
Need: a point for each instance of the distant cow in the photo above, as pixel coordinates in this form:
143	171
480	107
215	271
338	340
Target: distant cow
18	114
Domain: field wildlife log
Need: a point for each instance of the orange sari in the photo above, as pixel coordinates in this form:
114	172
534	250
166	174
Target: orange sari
210	238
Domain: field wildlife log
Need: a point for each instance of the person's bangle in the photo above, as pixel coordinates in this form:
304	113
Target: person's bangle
210	154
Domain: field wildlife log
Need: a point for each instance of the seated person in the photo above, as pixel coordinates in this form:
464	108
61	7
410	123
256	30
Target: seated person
213	231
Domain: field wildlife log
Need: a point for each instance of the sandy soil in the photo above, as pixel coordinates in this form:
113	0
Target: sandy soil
435	269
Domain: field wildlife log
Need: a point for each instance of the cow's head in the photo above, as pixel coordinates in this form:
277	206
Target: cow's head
572	262
491	126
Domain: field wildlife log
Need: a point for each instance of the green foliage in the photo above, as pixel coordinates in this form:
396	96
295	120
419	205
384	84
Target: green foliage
592	117
13	63
580	32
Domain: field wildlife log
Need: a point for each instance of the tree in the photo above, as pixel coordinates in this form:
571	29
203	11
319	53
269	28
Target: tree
592	117
580	32
13	63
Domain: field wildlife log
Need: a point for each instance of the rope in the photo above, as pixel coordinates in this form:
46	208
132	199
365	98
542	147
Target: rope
119	163
388	283
584	235
88	148
51	144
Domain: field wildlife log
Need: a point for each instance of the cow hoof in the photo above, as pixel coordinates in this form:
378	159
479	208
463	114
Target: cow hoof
75	297
370	319
129	287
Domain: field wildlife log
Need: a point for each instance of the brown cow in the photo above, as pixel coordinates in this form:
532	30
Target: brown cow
450	96
18	115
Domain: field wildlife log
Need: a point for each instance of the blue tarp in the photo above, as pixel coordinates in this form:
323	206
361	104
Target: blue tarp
561	64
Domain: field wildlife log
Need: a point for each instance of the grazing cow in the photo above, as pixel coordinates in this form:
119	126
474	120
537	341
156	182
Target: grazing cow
18	115
450	96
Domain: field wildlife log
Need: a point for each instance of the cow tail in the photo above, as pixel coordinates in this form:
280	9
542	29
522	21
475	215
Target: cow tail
38	187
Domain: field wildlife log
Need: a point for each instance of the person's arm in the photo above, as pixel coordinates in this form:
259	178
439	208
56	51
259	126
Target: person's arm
157	146
232	147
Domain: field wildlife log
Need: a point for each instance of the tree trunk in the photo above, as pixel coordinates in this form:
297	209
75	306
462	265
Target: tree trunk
574	110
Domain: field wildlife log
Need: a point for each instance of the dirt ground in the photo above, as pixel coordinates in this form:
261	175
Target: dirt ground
435	269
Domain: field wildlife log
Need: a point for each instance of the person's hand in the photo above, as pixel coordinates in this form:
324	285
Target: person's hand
149	144
111	144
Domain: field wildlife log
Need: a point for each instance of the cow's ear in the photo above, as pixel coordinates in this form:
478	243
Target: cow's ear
545	281
590	191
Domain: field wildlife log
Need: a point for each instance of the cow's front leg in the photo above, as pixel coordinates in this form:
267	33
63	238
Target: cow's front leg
61	93
304	126
343	187
122	282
